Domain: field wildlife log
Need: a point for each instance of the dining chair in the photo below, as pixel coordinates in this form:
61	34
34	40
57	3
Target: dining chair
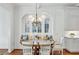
27	50
45	50
58	47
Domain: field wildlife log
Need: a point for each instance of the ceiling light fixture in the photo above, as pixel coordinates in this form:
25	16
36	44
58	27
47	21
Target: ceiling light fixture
36	21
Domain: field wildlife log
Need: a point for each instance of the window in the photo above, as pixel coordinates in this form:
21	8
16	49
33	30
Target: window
36	28
43	26
27	28
46	28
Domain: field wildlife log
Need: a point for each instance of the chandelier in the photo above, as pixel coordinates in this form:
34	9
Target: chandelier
36	20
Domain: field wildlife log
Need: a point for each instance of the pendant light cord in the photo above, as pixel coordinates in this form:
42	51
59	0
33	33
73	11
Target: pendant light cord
36	12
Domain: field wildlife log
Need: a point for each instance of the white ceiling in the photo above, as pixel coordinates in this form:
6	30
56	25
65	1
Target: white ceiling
42	4
47	4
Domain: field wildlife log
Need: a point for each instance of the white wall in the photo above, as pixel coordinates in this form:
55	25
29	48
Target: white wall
71	19
17	28
71	22
12	30
6	27
59	24
57	14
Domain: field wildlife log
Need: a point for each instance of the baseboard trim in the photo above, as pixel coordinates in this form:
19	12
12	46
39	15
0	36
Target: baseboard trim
3	49
17	49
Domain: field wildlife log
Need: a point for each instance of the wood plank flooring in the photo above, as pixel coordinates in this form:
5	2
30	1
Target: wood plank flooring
20	52
66	52
16	52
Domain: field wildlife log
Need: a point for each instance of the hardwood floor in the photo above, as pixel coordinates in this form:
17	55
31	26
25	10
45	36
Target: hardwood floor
66	52
20	52
16	52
